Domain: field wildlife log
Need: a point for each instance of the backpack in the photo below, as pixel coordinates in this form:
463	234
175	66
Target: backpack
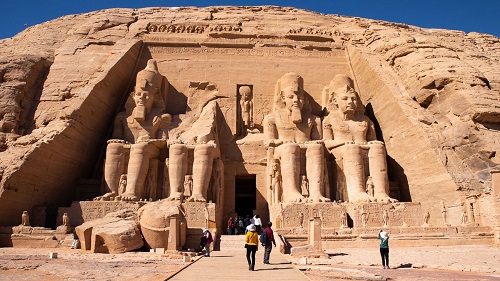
263	238
203	241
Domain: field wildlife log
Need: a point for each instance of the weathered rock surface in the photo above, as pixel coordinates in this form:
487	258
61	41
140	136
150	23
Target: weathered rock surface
433	94
155	219
117	232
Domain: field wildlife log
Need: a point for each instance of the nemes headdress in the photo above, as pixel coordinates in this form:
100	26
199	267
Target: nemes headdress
289	79
340	81
149	79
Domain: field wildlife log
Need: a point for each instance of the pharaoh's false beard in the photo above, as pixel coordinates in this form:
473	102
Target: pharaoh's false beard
140	113
296	115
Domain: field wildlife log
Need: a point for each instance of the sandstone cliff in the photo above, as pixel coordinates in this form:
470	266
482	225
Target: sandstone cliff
434	94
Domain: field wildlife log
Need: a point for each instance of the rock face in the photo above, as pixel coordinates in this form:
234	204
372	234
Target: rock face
432	95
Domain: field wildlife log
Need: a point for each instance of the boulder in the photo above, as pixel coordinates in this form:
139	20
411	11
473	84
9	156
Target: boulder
117	232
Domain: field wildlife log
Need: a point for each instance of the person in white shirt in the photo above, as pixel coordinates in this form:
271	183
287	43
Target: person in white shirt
258	223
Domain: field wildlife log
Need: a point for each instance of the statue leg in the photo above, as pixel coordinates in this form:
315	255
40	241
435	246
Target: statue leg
114	167
354	171
290	172
138	165
315	172
177	169
202	171
378	172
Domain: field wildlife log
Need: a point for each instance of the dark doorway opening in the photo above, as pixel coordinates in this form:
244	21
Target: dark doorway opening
245	200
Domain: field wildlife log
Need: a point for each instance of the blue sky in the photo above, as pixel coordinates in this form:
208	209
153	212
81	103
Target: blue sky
466	15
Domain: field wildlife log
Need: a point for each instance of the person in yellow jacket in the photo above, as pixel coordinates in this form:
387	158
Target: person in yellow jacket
251	243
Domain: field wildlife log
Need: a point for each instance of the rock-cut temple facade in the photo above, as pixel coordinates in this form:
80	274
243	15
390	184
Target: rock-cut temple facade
144	126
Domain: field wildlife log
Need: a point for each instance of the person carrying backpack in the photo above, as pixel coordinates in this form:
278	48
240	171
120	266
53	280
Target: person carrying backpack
208	239
267	240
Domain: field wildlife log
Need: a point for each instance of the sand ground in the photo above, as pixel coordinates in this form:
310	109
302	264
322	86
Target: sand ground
420	263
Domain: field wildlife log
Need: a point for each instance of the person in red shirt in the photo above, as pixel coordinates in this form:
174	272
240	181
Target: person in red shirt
268	246
208	241
230	226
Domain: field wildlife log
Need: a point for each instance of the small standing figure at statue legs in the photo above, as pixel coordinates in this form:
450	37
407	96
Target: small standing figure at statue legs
304	186
370	188
25	219
65	219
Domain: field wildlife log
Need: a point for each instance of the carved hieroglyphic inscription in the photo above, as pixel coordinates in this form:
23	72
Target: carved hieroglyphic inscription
297	215
83	211
241	52
398	214
196	214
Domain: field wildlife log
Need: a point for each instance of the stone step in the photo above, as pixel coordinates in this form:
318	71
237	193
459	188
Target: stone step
231	242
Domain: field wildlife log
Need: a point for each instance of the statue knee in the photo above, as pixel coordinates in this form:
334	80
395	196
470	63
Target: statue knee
290	148
203	149
177	150
144	148
376	149
115	148
314	150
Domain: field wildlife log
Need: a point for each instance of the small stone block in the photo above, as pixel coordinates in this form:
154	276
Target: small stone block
53	255
303	260
160	251
186	258
151	250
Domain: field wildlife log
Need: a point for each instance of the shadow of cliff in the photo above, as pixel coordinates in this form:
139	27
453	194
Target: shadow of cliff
400	189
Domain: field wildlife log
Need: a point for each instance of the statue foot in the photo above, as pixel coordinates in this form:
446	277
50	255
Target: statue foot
106	196
175	196
361	197
196	198
384	198
129	197
297	198
316	199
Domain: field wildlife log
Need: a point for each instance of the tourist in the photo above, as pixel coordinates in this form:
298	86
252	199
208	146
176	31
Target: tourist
230	226
241	225
384	248
247	221
268	247
76	241
208	241
258	223
251	243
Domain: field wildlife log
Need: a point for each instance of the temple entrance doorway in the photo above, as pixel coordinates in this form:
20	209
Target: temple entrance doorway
245	196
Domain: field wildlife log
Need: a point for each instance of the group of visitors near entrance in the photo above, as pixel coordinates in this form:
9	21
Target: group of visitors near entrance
254	234
239	225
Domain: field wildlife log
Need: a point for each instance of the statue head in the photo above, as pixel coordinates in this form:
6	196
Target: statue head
343	97
290	95
147	88
245	92
276	164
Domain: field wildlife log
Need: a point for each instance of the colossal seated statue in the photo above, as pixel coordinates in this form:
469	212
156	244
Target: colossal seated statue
138	136
201	138
348	135
292	132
